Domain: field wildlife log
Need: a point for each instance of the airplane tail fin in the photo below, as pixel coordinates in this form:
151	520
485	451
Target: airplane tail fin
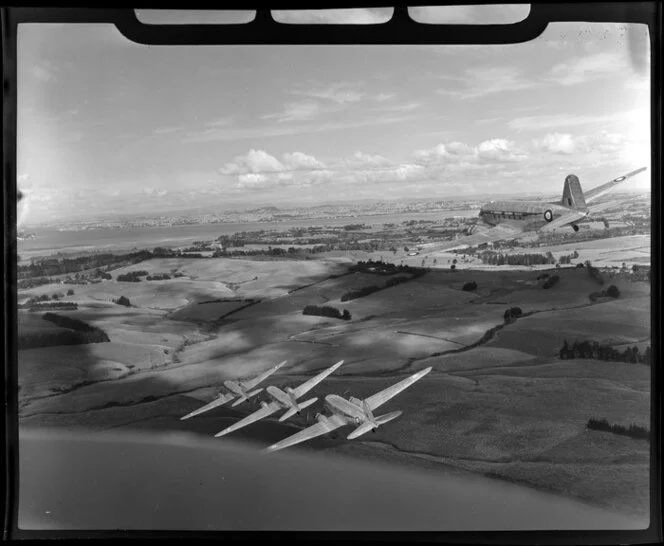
573	194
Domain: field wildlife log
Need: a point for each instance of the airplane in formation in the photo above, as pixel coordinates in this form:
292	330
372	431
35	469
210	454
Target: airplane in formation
499	220
283	400
240	390
352	411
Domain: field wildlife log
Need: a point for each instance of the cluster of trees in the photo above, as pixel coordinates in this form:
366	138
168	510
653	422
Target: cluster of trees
62	305
497	258
355	227
326	311
633	431
122	300
611	292
46	297
512	314
578	237
567	258
132	276
551	281
64	266
470	286
158	277
72	332
385	268
24	284
587	349
360	293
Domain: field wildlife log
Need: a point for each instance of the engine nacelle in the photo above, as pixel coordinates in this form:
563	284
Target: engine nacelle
548	215
289	390
575	227
263	404
321	418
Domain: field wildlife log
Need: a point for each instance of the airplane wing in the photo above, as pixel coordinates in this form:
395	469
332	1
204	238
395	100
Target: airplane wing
265	411
496	233
601	190
564	220
251	383
311	383
322	427
383	396
220	401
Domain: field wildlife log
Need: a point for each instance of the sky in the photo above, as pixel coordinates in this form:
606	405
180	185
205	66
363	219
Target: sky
108	126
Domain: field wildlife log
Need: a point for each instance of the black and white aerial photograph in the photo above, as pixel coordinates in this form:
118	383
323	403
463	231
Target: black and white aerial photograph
334	287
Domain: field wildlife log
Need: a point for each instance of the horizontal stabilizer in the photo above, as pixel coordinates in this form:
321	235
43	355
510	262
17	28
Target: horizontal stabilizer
362	429
368	425
307	403
239	401
564	221
388	417
254	392
288	414
293	411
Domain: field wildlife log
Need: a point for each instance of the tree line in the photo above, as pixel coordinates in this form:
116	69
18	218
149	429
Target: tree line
633	431
593	350
72	332
497	258
326	311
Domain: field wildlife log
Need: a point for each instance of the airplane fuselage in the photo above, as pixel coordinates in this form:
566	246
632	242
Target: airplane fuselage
282	398
345	408
235	387
525	215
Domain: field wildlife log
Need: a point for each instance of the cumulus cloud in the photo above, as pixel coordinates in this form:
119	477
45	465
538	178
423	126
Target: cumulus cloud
254	161
431	155
500	150
302	161
556	143
452	152
360	159
250	180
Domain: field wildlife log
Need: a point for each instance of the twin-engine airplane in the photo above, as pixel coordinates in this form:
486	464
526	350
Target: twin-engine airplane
242	390
500	220
283	400
352	411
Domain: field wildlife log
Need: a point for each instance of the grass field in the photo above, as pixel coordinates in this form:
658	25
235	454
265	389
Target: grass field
498	401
